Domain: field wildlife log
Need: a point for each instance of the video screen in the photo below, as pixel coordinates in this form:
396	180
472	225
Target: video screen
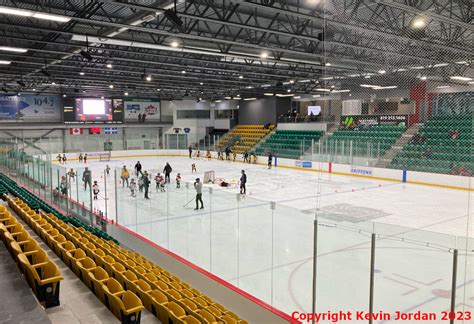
314	110
94	110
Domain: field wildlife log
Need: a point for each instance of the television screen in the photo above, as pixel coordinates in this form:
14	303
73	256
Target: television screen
316	110
93	107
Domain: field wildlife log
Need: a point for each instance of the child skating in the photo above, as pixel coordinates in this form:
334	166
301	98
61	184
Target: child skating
133	187
95	190
178	181
140	184
193	168
208	155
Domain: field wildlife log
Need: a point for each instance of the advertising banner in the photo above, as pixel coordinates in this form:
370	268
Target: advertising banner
31	108
367	171
367	120
134	107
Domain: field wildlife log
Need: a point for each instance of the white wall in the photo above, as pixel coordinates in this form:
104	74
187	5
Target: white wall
303	126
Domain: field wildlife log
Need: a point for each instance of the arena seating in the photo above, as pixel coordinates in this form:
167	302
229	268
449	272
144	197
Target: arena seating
433	150
42	275
243	137
289	144
35	203
376	138
123	280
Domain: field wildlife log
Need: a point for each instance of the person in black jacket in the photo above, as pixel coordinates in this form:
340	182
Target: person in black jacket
167	171
138	168
243	182
146	183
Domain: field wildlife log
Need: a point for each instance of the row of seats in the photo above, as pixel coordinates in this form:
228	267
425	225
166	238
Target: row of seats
243	137
434	150
288	143
42	275
36	203
375	137
126	281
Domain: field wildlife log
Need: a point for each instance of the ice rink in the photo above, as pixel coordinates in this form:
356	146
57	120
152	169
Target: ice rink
266	248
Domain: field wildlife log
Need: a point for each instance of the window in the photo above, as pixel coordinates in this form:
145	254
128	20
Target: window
223	114
193	114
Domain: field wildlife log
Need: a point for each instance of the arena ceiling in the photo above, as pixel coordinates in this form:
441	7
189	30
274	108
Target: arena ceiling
211	49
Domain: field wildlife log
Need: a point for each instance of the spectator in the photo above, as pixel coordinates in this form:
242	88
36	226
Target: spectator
64	186
453	134
140	117
143	117
312	117
190	150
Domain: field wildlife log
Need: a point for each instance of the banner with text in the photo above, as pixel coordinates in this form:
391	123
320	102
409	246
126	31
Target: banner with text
136	107
31	108
367	120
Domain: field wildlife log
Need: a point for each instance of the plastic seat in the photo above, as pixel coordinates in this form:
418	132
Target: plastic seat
176	313
159	303
190	319
56	242
126	306
97	255
108	286
129	279
207	317
117	272
85	265
72	257
142	289
96	277
106	262
65	247
44	281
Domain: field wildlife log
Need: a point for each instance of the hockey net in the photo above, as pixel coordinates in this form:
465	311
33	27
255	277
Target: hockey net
209	176
104	157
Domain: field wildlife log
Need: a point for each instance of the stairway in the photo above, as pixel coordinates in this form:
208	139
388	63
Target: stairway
398	145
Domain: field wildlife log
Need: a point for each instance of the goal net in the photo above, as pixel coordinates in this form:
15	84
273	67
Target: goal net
104	157
209	176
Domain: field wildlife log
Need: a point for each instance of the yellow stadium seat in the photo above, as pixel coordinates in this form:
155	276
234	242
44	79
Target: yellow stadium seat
176	313
190	319
108	286
126	306
129	279
207	317
56	242
142	289
159	301
72	257
43	280
84	266
65	247
97	276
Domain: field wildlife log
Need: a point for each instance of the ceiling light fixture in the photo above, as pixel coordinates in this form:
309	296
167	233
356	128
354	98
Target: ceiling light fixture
241	76
148	78
64	96
297	97
382	71
111	86
322	89
109	66
443	87
328	64
264	55
460	78
248	99
38	15
125	93
81	73
200	83
5	62
418	22
174	44
13	49
343	90
183	72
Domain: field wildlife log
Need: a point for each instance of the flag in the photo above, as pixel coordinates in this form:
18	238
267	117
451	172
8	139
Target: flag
110	130
75	131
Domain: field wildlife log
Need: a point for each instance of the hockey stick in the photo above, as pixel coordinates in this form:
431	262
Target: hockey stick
188	202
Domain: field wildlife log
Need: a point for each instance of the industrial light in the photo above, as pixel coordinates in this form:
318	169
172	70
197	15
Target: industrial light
423	78
238	95
81	73
285	95
200	83
109	66
268	94
5	62
384	88
111	86
328	64
174	44
18	94
441	64
218	101
343	90
382	71
322	89
64	96
418	22
241	76
183	72
102	97
158	89
38	15
316	96
297	97
369	86
148	78
264	55
53	83
292	81
443	86
34	89
248	99
460	78
13	49
125	93
228	98
288	90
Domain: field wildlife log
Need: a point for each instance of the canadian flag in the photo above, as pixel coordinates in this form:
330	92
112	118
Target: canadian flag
75	131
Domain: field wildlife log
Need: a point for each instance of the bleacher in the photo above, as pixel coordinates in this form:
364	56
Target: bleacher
243	137
289	144
437	152
125	281
375	138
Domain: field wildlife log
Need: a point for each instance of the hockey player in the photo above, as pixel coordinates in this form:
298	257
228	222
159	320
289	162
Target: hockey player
95	190
178	181
133	187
